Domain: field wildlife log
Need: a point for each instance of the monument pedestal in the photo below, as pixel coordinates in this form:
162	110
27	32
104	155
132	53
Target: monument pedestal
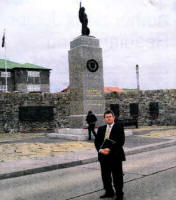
77	134
71	134
86	81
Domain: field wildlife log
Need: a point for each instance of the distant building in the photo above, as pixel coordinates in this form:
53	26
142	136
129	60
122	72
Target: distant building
24	77
107	89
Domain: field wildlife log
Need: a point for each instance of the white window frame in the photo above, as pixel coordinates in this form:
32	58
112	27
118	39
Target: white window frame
3	88
33	74
5	74
33	88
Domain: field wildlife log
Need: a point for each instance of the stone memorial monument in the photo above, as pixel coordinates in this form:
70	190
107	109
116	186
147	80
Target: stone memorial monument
86	82
86	76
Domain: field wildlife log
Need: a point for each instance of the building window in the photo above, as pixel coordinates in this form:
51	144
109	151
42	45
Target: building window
33	74
33	88
4	74
2	88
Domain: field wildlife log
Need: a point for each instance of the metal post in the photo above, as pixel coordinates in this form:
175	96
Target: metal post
5	62
137	77
5	65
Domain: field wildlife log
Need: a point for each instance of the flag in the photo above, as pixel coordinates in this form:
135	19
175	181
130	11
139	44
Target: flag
3	40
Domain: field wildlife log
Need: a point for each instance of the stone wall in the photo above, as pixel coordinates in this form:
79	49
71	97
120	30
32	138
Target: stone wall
9	111
165	98
10	103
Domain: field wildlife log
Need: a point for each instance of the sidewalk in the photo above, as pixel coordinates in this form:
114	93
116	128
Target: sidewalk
22	154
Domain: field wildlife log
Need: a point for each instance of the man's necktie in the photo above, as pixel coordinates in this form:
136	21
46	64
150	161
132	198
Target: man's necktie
107	132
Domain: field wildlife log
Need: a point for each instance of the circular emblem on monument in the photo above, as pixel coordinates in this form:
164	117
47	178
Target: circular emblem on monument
92	65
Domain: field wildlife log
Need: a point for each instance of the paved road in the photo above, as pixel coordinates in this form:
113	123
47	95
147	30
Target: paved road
148	176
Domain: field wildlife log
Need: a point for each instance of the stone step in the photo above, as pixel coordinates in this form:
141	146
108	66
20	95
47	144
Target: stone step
69	136
74	131
76	134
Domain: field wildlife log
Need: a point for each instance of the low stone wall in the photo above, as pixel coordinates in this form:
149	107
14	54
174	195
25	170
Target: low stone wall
9	111
10	103
166	100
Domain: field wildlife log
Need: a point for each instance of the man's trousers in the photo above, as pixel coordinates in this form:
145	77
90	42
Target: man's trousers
112	172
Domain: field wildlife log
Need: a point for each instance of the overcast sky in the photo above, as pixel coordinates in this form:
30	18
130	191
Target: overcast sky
131	32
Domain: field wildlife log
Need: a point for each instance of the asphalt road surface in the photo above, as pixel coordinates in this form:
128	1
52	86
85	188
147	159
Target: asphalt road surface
148	176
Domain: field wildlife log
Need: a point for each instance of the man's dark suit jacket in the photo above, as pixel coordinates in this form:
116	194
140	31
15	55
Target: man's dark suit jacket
116	134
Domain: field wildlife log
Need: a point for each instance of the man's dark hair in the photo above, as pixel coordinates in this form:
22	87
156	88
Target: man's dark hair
108	112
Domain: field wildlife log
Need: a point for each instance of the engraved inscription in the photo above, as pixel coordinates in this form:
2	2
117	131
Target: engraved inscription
93	93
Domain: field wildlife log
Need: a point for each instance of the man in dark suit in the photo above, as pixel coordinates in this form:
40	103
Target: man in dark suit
111	158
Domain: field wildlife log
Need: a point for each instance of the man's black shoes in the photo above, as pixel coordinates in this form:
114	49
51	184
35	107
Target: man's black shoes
107	194
119	197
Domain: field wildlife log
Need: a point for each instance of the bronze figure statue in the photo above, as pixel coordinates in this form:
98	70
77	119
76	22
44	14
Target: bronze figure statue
84	20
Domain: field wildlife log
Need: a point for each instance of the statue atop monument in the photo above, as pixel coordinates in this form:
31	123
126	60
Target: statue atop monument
84	20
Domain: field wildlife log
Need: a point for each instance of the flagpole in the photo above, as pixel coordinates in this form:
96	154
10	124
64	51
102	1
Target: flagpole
5	60
5	69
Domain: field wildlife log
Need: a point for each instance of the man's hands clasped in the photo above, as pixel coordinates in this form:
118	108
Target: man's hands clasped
105	151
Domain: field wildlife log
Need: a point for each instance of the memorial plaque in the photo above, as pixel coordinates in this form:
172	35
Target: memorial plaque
154	110
115	109
134	109
36	113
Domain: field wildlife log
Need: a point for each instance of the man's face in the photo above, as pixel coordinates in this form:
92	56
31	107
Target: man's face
109	118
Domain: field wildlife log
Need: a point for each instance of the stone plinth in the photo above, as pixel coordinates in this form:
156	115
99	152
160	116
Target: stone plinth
77	134
86	80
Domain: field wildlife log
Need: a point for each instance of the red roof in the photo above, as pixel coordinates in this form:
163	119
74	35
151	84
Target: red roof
107	89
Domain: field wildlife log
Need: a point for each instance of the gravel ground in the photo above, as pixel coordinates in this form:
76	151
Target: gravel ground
30	145
18	136
30	150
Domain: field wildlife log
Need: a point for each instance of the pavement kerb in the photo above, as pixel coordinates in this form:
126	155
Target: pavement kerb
150	147
51	167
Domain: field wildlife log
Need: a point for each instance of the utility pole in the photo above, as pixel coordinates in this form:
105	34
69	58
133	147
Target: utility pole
137	77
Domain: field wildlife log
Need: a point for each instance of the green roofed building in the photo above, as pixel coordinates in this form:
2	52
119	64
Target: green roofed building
23	77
